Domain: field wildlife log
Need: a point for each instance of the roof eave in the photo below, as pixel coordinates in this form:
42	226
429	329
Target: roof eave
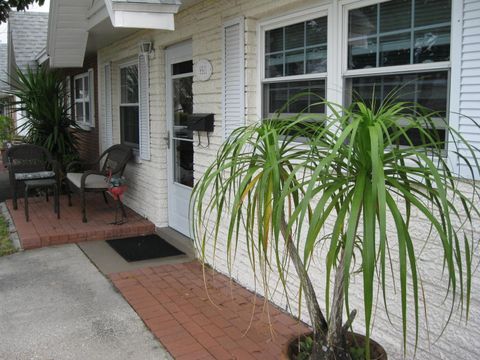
141	14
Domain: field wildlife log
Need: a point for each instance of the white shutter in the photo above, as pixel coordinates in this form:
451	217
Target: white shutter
107	101
233	92
144	104
91	97
466	71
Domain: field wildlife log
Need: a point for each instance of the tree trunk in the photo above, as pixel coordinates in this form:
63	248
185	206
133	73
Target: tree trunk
337	346
319	324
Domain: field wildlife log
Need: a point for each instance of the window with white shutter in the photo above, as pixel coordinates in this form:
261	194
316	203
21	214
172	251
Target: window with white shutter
233	101
107	101
84	99
144	104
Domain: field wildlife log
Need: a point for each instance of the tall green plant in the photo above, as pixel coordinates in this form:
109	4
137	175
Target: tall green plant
275	185
42	100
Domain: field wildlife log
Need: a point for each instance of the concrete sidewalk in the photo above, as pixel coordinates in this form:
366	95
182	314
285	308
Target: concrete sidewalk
54	304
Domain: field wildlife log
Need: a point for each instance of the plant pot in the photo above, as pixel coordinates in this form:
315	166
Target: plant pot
377	352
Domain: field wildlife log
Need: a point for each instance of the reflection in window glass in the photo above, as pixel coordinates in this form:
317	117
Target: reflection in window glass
362	53
296	49
129	84
431	12
295	36
395	15
274	40
129	112
362	22
79	88
274	65
395	49
432	45
406	31
316	60
129	125
182	105
183	172
430	90
184	67
295	63
281	97
79	112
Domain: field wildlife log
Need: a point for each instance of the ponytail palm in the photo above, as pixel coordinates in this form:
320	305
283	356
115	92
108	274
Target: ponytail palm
277	187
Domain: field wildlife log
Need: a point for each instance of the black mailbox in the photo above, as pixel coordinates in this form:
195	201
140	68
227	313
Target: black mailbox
200	122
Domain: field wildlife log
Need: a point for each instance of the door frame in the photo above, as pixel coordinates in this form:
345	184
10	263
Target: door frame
174	54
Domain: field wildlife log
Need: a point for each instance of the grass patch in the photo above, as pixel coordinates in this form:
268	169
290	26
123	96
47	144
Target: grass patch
6	245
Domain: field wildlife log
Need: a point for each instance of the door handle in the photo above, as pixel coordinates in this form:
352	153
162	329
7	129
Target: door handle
167	139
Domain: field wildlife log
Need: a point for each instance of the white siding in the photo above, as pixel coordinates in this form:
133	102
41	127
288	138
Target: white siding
469	97
233	92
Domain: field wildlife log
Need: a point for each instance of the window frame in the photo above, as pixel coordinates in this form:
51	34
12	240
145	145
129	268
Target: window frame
85	77
135	146
280	22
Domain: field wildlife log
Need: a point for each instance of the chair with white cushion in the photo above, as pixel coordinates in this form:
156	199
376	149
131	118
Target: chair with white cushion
111	163
29	162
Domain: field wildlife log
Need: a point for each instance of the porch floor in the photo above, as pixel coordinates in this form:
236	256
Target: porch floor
44	229
227	322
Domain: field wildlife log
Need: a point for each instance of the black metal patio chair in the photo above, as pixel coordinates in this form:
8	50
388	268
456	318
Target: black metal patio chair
114	159
29	162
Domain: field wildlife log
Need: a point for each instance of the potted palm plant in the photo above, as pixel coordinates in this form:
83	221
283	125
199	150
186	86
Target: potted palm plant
278	186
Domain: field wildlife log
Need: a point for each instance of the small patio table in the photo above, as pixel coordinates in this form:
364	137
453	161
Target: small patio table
43	183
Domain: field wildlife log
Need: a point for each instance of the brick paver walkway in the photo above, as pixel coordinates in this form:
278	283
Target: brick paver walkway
45	229
173	303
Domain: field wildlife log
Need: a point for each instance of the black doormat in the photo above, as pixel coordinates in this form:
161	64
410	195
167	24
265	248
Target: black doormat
143	248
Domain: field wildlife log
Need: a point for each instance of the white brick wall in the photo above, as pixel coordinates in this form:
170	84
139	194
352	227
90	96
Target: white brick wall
148	180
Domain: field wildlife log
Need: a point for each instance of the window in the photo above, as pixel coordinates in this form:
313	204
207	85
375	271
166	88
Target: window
401	45
83	98
295	62
400	32
129	107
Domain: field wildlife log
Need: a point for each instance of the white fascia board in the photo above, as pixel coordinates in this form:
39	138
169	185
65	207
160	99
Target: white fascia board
52	29
143	20
146	7
142	15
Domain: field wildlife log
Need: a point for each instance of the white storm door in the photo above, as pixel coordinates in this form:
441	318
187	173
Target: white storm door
179	103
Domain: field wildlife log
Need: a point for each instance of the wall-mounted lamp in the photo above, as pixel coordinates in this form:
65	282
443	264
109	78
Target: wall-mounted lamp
146	47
